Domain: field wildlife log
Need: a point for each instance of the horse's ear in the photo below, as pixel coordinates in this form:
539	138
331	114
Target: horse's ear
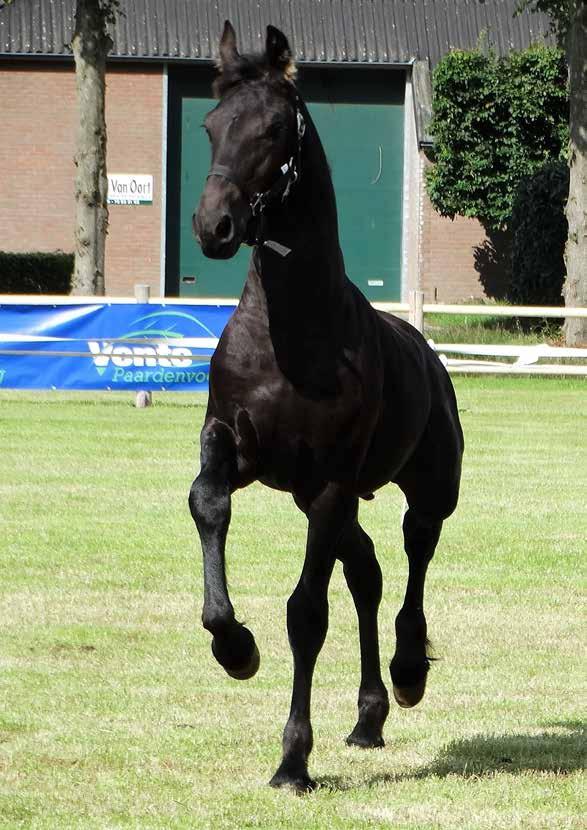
227	48
279	54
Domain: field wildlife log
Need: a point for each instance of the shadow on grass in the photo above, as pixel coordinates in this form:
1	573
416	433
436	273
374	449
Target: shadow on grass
484	755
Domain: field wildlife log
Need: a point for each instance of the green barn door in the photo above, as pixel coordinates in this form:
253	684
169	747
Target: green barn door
359	116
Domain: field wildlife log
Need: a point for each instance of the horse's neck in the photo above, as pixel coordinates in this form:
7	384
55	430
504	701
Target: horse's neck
302	294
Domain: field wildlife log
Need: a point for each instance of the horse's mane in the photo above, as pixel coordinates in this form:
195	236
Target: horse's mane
252	68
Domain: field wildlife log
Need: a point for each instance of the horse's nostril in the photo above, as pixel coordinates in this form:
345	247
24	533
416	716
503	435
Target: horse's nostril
224	227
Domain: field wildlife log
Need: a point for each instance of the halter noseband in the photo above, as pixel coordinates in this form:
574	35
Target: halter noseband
289	174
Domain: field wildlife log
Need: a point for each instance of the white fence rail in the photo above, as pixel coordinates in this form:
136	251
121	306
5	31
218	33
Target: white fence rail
474	355
525	364
484	310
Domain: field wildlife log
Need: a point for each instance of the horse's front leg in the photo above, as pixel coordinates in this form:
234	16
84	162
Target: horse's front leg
363	576
307	624
233	645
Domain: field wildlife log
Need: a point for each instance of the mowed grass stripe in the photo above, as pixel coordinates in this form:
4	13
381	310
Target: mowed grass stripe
114	714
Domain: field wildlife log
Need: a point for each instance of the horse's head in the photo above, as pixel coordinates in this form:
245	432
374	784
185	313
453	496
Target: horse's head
254	133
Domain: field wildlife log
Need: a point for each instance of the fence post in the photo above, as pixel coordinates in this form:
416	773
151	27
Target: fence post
416	313
142	294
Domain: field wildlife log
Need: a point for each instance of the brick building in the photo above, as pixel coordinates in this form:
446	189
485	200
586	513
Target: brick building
364	71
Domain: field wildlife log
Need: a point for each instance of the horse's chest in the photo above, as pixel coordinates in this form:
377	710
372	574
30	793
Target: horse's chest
302	443
315	428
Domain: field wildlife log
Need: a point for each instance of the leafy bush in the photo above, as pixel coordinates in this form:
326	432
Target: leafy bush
36	273
495	121
539	230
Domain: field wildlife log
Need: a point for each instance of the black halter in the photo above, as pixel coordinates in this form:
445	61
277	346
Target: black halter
289	173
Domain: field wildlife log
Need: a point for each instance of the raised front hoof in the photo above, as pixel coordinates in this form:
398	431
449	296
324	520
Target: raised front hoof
238	654
247	671
408	677
363	740
299	783
408	696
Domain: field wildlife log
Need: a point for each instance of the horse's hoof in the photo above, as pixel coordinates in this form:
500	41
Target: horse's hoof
248	671
364	741
373	711
408	696
238	653
409	680
299	784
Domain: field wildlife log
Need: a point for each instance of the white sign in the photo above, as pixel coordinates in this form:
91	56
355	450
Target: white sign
130	189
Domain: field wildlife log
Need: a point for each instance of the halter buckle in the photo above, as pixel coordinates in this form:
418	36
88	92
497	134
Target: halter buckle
291	170
301	124
258	204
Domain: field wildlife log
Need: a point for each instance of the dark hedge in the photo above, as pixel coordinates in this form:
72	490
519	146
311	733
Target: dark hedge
36	273
539	230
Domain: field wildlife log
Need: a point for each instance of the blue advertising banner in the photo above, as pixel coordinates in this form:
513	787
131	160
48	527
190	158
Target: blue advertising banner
113	346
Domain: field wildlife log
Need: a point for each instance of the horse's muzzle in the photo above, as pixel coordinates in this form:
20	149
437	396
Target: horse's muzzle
220	222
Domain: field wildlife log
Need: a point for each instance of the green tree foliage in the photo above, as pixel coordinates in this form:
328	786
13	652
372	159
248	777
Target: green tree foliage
495	122
539	229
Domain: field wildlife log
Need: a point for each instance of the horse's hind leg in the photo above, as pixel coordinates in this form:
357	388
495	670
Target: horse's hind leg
410	663
363	576
233	645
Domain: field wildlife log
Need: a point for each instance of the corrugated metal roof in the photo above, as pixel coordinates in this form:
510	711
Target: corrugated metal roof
319	31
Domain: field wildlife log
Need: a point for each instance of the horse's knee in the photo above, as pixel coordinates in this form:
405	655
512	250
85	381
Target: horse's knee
209	496
365	583
421	534
307	620
195	499
209	501
362	570
303	610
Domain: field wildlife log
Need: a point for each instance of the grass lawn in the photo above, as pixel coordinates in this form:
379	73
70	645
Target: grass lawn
473	328
113	713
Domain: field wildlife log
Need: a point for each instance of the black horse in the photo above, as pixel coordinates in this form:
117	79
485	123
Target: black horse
312	392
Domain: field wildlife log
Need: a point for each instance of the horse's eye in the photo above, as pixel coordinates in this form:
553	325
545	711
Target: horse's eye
275	129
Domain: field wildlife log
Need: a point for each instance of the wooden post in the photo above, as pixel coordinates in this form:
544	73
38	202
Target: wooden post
416	313
142	294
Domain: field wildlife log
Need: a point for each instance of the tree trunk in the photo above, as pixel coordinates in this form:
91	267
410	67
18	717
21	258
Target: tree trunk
575	289
91	43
